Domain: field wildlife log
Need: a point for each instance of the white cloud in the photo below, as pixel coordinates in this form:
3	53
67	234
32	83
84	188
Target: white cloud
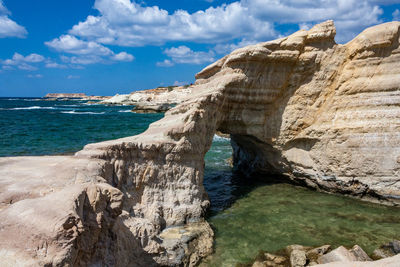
227	48
35	76
21	62
305	26
123	56
70	77
165	63
34	58
127	23
396	14
130	23
54	65
86	52
24	66
8	27
183	54
18	58
70	44
350	16
83	60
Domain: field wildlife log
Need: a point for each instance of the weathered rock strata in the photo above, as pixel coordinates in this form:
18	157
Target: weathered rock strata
160	96
322	114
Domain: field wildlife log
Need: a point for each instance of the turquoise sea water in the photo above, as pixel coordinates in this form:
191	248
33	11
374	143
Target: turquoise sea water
32	126
247	214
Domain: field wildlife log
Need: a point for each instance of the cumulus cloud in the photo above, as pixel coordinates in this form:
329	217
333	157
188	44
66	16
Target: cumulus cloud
18	58
70	44
22	62
185	55
123	56
350	16
8	27
165	63
126	23
130	23
86	52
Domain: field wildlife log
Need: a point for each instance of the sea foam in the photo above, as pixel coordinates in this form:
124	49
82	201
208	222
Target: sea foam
82	112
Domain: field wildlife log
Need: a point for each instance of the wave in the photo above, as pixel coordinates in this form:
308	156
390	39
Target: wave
218	138
28	99
68	105
29	108
82	112
90	104
125	110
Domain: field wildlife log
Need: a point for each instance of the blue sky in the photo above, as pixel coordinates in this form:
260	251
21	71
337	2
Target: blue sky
104	47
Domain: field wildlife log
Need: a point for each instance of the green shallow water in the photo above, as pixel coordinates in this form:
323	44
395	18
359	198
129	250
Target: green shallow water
270	217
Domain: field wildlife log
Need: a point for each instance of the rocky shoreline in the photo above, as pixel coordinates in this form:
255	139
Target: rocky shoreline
74	96
152	100
300	256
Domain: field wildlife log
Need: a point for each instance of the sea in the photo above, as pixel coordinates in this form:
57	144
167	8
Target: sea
248	214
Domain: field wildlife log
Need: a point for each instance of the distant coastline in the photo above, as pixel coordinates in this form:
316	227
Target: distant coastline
69	96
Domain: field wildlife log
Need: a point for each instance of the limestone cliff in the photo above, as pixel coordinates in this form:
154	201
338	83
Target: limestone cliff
157	96
322	114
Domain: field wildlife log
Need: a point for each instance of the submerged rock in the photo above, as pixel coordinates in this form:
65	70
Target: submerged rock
314	254
387	250
152	108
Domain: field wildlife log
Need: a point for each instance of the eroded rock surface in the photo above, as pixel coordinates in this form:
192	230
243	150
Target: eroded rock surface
322	114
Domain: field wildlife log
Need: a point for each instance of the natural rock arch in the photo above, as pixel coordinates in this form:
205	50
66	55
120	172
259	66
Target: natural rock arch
323	114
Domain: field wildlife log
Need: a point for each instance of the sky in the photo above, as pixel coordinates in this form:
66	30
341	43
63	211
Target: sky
104	47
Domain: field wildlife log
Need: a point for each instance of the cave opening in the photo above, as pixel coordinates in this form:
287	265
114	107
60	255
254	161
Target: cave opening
234	166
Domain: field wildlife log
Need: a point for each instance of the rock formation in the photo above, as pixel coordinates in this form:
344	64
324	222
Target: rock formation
322	114
65	95
301	256
152	108
69	96
163	96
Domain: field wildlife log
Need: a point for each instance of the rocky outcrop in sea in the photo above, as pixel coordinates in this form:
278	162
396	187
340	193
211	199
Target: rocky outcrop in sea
321	114
153	100
69	96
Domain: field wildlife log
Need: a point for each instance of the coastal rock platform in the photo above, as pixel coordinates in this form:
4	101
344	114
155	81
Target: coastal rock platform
321	114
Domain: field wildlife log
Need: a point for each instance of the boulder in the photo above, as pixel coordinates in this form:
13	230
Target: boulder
315	253
298	258
151	108
387	250
339	254
359	254
387	262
